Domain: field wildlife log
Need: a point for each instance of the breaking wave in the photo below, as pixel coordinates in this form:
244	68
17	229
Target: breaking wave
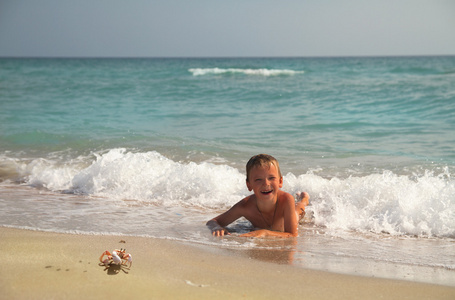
261	72
385	202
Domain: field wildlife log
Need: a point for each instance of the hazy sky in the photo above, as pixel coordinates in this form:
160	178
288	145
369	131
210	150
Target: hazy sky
151	28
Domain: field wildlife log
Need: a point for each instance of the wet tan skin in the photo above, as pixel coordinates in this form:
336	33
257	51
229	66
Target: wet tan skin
271	210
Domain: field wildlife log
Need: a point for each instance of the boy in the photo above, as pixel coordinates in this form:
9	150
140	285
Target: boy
269	208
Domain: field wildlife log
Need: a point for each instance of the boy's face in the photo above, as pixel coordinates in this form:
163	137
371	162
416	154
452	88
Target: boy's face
264	182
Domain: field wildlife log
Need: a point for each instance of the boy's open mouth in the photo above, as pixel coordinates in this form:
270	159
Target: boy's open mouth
266	192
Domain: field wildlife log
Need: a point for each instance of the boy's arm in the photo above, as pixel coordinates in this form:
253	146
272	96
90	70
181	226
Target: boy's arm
291	221
217	224
265	232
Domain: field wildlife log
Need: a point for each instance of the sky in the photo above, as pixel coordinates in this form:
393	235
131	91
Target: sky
226	28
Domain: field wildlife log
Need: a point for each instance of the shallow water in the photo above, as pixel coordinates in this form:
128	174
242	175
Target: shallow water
421	259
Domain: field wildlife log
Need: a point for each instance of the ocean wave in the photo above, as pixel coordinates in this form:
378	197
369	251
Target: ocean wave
261	72
384	203
420	205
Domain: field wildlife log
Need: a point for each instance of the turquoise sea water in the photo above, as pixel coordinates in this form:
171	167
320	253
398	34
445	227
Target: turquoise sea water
161	144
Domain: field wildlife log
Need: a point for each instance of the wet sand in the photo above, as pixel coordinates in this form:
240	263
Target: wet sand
44	265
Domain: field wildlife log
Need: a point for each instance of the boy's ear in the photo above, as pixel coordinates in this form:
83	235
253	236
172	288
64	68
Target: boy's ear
281	182
248	186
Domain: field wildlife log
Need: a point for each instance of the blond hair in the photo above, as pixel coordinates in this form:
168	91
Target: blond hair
262	160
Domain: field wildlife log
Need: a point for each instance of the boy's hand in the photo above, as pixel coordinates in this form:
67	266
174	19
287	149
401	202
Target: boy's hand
216	229
220	232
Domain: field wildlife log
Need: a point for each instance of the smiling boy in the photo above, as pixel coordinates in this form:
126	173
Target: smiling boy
270	210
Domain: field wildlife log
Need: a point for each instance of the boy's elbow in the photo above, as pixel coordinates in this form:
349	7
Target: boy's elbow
293	233
287	234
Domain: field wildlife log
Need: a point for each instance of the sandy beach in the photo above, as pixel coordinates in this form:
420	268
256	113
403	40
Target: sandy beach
44	265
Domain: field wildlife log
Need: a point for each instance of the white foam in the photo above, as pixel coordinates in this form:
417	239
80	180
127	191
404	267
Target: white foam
153	178
383	203
380	203
261	72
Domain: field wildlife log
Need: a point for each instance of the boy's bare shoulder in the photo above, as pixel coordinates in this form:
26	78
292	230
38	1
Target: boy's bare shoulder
284	196
242	208
247	201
